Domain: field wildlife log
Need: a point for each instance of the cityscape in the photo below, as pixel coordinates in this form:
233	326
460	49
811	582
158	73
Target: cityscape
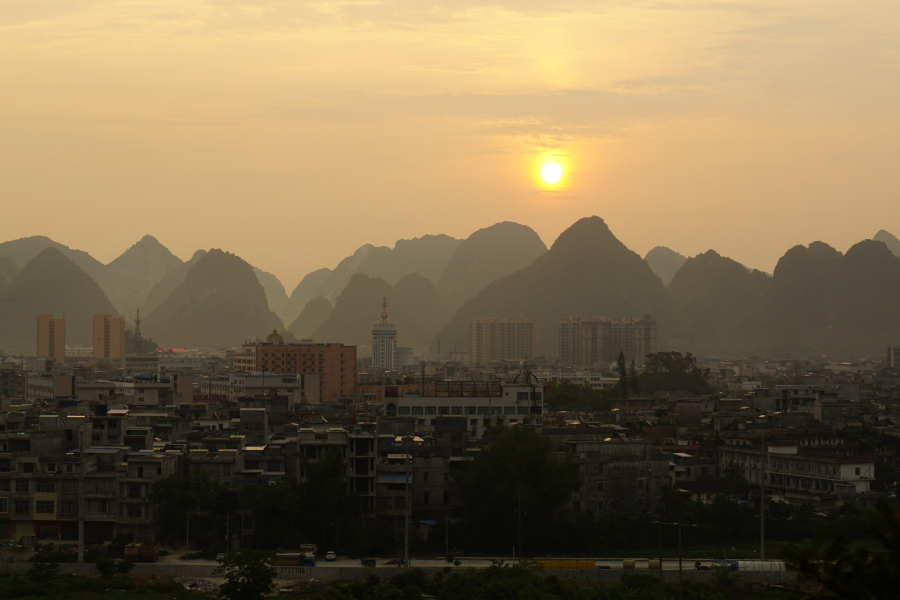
407	450
449	300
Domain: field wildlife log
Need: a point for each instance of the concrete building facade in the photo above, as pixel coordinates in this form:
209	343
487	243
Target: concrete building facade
502	340
588	343
109	337
51	337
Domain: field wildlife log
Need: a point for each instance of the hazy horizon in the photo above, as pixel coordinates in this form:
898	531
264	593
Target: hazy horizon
291	134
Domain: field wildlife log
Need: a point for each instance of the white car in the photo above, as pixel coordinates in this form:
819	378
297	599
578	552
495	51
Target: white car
330	556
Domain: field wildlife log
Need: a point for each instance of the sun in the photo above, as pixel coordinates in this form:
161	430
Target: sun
551	172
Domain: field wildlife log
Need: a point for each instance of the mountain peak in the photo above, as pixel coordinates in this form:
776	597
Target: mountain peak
889	240
665	262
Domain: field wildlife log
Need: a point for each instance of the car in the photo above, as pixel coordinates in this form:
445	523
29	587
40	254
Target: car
330	556
220	556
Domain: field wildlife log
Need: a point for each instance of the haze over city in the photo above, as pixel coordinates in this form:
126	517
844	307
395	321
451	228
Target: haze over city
239	125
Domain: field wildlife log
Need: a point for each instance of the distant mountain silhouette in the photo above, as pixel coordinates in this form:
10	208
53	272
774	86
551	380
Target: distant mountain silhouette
825	302
275	293
25	249
50	283
665	263
485	256
711	293
313	315
587	272
427	255
171	280
308	289
8	272
129	279
889	240
219	304
414	306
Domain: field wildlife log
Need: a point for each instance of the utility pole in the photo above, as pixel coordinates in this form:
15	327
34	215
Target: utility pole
762	499
81	494
520	524
680	573
227	532
660	562
187	530
406	523
447	535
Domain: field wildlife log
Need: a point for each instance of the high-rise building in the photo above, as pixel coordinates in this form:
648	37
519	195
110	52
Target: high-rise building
335	364
893	357
51	337
109	337
385	353
592	342
502	340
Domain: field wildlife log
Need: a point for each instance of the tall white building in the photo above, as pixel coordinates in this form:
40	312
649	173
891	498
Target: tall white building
385	354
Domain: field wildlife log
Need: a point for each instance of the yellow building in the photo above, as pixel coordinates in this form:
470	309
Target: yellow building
109	337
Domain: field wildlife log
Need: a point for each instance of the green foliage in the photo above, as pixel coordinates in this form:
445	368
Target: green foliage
856	573
623	375
248	575
318	510
42	573
124	566
518	465
177	497
672	371
105	566
569	396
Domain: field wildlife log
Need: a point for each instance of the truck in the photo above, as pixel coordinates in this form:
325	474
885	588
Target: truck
309	560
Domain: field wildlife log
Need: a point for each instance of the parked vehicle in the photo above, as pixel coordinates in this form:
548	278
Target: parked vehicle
146	552
330	556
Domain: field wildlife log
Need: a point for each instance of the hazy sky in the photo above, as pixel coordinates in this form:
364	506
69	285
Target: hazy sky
292	132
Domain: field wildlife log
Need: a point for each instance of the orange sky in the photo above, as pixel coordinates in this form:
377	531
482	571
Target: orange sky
291	133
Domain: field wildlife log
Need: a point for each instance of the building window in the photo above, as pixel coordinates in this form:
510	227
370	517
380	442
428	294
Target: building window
857	470
46	486
600	506
446	476
4	485
45	508
97	506
484	410
521	396
23	507
425	476
425	498
70	508
509	410
135	512
456	410
446	498
431	410
28	468
418	410
600	487
4	505
22	486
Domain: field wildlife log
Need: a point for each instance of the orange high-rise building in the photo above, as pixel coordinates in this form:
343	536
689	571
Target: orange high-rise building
51	337
109	337
335	364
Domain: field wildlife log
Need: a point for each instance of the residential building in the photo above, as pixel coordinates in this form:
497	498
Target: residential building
51	337
502	340
823	478
589	343
334	364
109	337
482	404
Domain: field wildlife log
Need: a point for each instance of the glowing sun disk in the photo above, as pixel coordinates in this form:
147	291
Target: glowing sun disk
551	172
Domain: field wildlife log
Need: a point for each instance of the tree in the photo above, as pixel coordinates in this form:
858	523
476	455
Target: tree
623	375
566	395
853	573
178	496
672	371
248	575
518	466
633	382
105	566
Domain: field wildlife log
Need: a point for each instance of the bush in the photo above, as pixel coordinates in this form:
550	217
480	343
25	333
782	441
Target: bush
124	566
106	566
43	572
163	552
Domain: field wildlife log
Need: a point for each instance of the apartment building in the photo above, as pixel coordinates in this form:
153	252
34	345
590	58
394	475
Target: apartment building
589	343
502	340
334	364
51	337
109	337
817	476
